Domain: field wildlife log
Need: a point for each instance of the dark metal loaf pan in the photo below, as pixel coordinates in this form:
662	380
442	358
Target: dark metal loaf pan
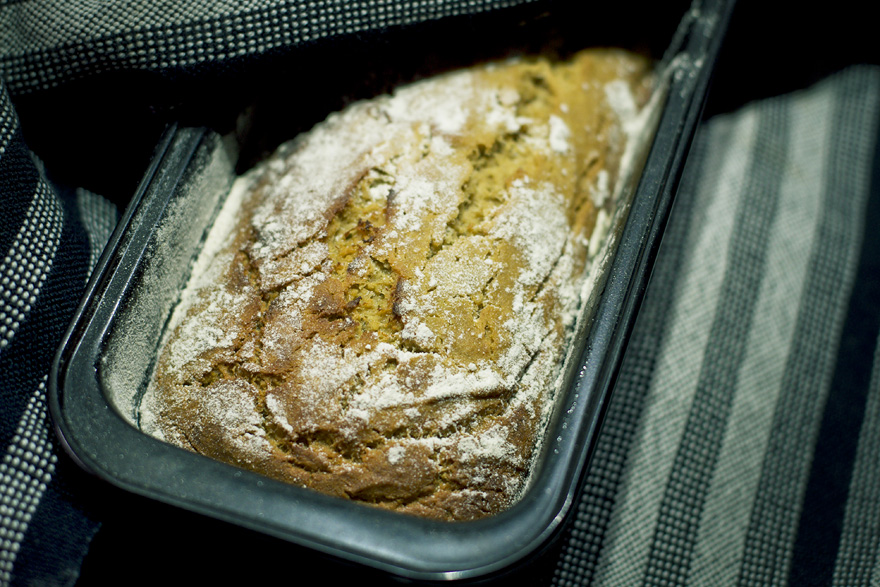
105	361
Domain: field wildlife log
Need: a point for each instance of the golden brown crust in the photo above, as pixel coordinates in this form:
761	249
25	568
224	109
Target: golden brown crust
387	319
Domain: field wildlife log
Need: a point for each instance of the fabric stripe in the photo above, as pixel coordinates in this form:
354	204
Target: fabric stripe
809	366
8	120
26	468
18	177
583	545
28	356
821	520
858	555
25	363
28	261
694	465
672	387
85	37
725	516
858	558
63	511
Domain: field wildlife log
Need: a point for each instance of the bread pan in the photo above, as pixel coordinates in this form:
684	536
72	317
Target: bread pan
105	360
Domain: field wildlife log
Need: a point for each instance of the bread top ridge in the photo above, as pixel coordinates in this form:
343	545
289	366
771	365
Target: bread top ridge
382	311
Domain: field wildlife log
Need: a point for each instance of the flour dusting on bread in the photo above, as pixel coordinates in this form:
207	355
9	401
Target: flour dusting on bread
384	306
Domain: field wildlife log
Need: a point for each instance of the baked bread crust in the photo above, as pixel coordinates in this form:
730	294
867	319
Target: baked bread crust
386	316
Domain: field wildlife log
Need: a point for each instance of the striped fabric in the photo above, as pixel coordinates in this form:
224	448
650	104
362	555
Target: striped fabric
704	462
49	244
858	559
742	444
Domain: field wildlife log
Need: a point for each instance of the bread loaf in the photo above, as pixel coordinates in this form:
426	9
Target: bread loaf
382	310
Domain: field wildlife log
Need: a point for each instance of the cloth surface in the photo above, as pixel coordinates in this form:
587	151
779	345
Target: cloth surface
50	241
712	465
743	438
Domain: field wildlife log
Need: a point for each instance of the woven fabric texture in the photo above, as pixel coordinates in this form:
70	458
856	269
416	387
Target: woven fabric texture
705	458
74	39
49	245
